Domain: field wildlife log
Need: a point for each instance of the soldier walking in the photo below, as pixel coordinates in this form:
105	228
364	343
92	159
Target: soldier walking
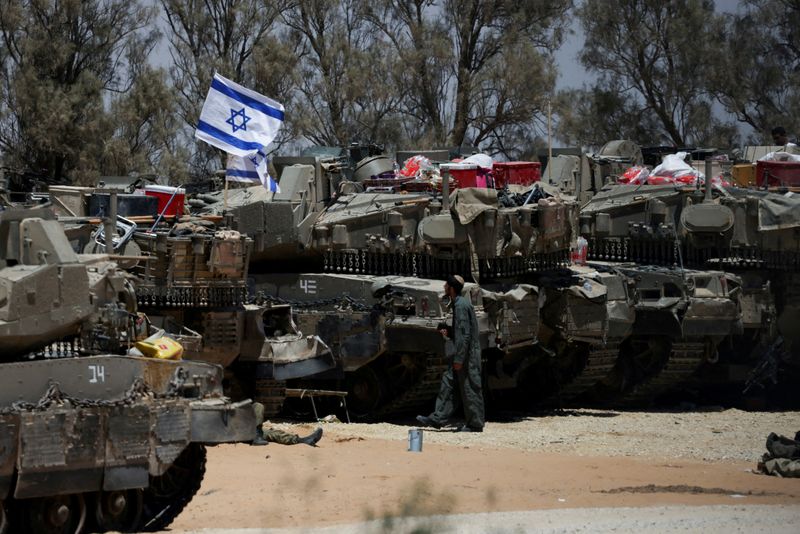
465	369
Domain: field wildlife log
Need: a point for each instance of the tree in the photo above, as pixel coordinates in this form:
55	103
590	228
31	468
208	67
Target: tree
239	39
62	62
475	71
420	38
145	135
760	82
592	116
345	93
654	54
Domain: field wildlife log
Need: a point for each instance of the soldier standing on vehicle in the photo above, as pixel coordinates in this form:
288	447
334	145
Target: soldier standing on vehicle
465	369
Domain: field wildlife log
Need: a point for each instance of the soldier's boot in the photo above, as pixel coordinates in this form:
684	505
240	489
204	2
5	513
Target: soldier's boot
428	421
312	438
260	439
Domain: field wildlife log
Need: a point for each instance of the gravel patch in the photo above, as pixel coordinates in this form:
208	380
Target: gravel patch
710	435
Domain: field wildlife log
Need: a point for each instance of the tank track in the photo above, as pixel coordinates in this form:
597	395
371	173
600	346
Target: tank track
667	252
272	394
684	360
422	392
600	361
168	494
427	266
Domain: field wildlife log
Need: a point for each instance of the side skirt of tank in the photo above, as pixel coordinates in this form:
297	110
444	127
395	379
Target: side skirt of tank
106	433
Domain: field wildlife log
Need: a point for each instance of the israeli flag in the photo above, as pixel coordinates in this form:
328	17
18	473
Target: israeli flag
252	169
238	120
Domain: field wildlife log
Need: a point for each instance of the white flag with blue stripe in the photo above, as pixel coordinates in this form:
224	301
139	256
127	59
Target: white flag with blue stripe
252	169
237	119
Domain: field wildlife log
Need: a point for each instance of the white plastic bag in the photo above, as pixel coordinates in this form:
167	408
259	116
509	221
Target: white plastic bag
780	156
672	165
674	168
483	161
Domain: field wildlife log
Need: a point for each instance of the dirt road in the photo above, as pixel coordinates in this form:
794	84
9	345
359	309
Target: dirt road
584	459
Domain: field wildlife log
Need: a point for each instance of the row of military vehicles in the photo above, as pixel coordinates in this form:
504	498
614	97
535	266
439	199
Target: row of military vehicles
334	285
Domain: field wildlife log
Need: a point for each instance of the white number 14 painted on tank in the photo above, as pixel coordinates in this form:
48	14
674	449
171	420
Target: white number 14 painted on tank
98	374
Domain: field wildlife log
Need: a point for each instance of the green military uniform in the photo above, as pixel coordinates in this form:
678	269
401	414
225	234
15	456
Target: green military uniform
279	436
268	434
468	354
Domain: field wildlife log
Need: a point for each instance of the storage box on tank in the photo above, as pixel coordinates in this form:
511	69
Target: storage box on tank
127	205
516	173
744	174
169	198
70	201
778	174
469	175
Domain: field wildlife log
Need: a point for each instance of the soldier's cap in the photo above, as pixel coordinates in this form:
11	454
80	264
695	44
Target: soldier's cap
456	282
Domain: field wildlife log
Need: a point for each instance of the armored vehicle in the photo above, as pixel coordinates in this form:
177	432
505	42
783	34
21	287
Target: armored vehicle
753	235
552	333
93	439
194	280
318	224
322	249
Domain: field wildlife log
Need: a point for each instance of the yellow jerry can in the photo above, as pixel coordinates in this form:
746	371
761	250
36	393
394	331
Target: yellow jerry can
163	348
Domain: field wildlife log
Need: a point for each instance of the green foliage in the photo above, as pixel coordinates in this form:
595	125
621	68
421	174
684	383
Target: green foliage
413	510
238	39
80	96
342	91
472	72
758	76
145	130
592	116
64	65
651	59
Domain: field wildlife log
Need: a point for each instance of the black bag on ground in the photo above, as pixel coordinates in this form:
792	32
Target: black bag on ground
782	447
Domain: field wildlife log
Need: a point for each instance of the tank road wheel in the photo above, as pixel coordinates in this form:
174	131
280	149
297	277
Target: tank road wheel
59	514
405	370
118	510
169	493
365	392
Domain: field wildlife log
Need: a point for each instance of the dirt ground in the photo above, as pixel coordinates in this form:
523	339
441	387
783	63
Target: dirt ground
579	459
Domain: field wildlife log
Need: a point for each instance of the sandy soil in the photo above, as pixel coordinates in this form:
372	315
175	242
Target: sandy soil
581	459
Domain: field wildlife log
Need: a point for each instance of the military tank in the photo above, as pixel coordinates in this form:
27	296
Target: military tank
92	440
193	283
323	243
750	235
552	332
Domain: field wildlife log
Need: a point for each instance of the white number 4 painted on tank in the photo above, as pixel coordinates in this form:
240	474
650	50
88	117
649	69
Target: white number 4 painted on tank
98	373
309	286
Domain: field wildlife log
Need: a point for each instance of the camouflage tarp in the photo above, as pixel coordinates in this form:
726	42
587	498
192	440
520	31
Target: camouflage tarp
779	212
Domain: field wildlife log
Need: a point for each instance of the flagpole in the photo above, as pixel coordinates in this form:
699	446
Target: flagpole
225	196
549	141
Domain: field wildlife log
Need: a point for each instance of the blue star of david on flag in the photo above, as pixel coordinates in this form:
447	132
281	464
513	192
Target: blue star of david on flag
251	169
238	120
232	120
